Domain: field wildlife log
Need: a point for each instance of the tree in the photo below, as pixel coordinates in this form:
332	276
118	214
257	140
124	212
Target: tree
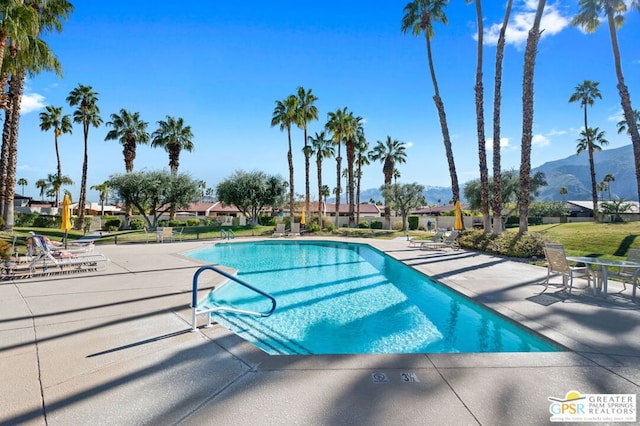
362	159
404	198
323	148
527	116
420	15
607	179
588	18
482	150
306	113
22	182
601	187
52	118
129	130
88	114
622	124
154	193
55	183
563	192
285	116
592	141
173	136
103	190
615	208
497	102
389	152
42	185
353	134
251	192
337	124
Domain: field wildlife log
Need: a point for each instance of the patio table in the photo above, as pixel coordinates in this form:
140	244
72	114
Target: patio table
603	266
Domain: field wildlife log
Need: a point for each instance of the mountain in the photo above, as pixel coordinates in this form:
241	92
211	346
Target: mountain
573	173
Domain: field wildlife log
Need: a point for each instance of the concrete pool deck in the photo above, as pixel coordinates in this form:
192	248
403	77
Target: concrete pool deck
114	348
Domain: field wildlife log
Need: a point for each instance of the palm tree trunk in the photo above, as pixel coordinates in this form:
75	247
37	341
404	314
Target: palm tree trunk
359	179
16	88
350	162
592	170
482	149
625	99
307	181
497	101
338	168
83	183
527	117
319	165
291	190
455	188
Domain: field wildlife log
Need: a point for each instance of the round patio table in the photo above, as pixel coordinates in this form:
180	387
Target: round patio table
604	265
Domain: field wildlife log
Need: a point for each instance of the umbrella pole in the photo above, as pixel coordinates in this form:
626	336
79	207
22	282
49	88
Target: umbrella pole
65	239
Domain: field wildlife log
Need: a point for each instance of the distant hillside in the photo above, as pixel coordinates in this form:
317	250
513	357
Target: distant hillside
433	195
573	173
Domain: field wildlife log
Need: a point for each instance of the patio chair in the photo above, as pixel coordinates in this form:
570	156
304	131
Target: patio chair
177	233
295	230
47	261
450	241
627	275
437	237
279	232
557	264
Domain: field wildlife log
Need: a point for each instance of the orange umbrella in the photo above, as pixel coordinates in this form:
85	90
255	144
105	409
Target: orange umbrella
458	222
303	219
66	217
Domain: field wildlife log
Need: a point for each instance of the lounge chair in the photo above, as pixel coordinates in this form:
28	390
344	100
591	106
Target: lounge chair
450	241
47	261
279	232
557	264
294	231
177	234
437	237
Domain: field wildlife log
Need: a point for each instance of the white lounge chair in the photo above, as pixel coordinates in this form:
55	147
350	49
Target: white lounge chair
295	230
557	264
450	241
437	237
279	232
47	261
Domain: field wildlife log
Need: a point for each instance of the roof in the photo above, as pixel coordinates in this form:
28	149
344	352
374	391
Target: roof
588	205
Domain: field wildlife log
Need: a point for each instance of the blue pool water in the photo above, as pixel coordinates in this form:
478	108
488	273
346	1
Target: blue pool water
342	298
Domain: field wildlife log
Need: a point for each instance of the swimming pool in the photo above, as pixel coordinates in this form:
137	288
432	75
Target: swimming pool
345	298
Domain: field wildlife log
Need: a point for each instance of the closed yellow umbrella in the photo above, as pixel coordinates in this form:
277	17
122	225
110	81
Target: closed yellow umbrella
458	223
66	217
303	219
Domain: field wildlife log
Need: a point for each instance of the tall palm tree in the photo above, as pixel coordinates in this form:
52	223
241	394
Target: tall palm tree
527	116
608	178
497	102
591	141
307	112
88	114
588	18
22	182
353	134
52	118
55	183
337	124
285	116
482	146
563	192
42	185
389	152
18	22
420	15
129	130
622	124
173	136
323	148
362	159
103	189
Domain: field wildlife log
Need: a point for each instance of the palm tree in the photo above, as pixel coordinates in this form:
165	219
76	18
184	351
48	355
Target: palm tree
608	178
88	114
389	152
482	146
527	116
129	130
103	189
173	136
420	15
591	141
601	187
52	118
337	124
55	183
285	116
586	93
18	22
354	132
362	159
563	192
22	182
622	124
323	148
588	18
307	112
42	185
497	102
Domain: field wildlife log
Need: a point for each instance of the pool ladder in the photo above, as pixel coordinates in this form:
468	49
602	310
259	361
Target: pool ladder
208	310
227	234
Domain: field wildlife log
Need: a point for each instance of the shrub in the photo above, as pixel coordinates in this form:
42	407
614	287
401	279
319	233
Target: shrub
313	227
25	219
413	222
376	224
163	222
5	250
363	224
328	225
175	223
44	221
193	222
266	220
136	224
397	225
112	224
510	244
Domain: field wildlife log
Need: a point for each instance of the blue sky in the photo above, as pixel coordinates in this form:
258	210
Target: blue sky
222	66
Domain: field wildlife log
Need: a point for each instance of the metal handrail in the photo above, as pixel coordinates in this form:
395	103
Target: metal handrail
194	297
223	234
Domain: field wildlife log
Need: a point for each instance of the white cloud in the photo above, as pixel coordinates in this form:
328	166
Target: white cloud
409	145
553	22
617	117
31	102
540	140
504	143
555	132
